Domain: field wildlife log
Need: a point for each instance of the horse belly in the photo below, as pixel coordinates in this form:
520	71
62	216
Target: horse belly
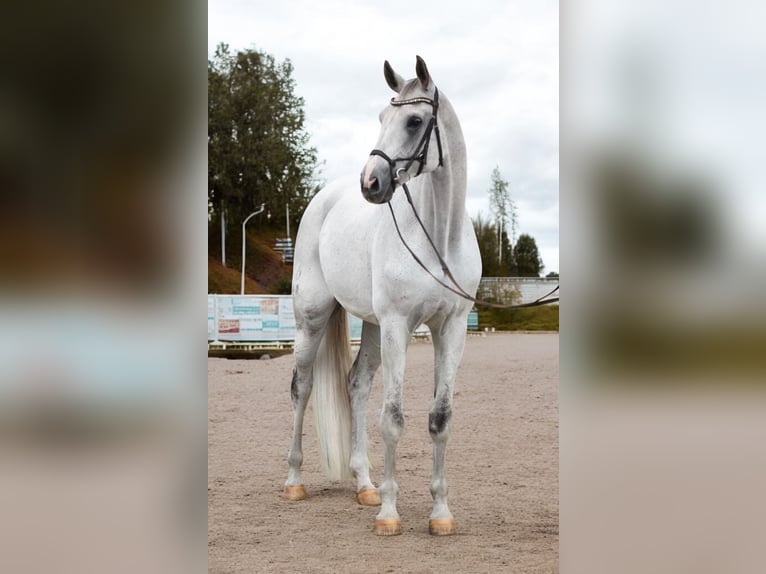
344	254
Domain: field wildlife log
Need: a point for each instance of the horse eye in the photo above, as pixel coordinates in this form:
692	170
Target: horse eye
414	122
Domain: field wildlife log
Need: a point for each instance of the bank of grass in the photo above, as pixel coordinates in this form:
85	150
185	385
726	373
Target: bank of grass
544	318
265	271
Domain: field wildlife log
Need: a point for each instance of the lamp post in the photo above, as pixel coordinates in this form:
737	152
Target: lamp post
259	210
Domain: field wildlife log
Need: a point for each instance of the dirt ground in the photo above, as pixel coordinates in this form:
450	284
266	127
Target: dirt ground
502	467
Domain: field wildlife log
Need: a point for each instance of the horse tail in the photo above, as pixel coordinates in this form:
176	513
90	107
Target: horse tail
332	404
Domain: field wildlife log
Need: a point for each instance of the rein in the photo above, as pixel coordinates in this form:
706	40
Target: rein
457	289
402	180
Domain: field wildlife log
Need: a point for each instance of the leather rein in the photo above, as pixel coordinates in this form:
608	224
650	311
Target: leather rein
420	155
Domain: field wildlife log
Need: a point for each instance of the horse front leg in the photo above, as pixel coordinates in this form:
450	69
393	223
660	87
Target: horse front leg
395	336
449	342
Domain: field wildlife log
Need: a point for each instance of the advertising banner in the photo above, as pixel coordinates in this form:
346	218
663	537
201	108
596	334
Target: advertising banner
254	318
258	318
211	317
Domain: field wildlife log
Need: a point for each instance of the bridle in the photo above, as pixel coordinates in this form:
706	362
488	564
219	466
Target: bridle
421	151
420	155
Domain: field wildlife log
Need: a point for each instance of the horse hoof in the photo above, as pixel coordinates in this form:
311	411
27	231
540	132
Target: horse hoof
388	526
368	497
294	492
442	526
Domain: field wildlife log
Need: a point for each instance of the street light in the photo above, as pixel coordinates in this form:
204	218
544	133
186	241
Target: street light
259	210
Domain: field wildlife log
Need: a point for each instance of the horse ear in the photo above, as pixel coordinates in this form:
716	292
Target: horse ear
394	80
422	72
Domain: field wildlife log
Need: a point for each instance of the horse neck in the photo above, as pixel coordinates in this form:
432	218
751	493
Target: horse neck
441	199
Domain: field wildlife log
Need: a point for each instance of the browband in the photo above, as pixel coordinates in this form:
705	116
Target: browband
419	100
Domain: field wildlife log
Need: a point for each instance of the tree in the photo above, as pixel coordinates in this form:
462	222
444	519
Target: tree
486	235
527	257
552	275
258	149
503	209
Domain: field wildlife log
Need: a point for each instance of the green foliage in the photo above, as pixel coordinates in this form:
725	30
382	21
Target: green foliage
527	257
258	149
283	287
552	275
496	248
543	318
486	235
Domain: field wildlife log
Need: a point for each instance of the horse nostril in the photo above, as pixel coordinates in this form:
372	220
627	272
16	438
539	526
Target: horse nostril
370	183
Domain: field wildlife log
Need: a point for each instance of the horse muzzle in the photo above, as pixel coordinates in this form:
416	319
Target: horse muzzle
375	181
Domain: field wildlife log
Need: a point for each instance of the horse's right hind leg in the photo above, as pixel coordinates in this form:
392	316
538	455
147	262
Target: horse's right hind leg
360	381
308	335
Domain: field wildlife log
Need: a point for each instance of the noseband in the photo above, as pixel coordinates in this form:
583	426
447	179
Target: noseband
421	151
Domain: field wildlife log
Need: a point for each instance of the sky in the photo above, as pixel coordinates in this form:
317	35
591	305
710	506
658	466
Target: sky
496	61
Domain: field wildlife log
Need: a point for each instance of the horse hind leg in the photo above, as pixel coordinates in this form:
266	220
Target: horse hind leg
308	335
360	382
300	391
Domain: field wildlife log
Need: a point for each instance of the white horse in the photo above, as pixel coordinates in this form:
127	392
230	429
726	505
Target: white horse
349	257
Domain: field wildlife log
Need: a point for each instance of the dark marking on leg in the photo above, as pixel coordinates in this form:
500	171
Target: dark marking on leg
294	386
395	412
353	379
438	420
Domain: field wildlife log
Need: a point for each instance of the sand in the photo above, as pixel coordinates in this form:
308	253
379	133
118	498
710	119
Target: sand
502	467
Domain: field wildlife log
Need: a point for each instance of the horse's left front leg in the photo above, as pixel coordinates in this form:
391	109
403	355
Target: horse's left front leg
394	339
449	341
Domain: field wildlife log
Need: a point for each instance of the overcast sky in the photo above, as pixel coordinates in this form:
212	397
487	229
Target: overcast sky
496	61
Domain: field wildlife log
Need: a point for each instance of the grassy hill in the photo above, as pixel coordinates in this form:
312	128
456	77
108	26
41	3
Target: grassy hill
544	318
265	271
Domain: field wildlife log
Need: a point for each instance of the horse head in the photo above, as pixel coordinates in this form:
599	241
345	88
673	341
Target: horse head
408	126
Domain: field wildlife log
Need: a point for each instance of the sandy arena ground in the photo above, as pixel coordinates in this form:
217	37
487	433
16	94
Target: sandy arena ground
502	467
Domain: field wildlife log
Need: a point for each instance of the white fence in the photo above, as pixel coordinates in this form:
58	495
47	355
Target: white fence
514	290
